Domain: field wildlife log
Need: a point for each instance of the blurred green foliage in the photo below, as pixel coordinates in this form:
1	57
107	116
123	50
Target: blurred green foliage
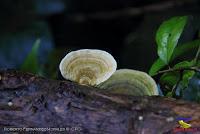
192	92
15	46
49	68
31	63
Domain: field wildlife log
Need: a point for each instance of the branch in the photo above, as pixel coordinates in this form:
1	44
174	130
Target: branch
197	54
177	84
132	11
29	101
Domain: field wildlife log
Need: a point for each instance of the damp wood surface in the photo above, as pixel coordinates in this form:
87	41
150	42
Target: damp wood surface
30	101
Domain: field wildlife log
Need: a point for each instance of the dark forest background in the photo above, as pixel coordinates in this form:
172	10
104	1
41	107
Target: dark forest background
125	28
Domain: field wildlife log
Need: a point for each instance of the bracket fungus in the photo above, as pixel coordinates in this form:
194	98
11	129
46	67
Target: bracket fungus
88	66
130	82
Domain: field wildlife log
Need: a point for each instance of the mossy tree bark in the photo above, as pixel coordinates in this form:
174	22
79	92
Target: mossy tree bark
30	101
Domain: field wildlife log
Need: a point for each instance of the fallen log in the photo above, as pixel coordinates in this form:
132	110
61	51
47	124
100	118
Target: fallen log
33	103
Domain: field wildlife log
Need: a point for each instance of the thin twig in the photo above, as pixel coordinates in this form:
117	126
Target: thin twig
177	84
179	69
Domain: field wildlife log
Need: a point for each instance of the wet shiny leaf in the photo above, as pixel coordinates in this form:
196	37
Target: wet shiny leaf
168	35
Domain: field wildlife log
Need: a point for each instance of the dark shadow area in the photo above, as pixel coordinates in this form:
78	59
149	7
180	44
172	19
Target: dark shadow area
126	29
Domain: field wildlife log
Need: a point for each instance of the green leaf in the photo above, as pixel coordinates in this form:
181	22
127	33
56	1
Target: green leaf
184	64
169	94
198	63
168	35
184	48
187	75
31	62
170	78
157	65
179	50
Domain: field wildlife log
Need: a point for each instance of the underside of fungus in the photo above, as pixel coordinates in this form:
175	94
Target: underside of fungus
88	66
130	82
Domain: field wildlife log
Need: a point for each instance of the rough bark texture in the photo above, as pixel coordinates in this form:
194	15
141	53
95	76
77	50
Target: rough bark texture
30	101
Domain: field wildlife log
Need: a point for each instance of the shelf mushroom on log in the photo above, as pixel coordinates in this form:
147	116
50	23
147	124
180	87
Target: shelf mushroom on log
29	101
88	66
